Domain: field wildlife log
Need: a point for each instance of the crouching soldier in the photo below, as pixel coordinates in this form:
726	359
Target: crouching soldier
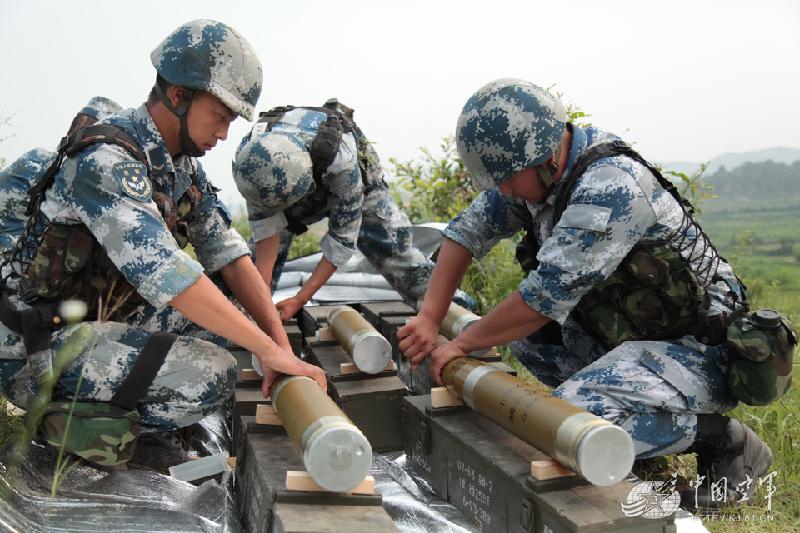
643	300
109	227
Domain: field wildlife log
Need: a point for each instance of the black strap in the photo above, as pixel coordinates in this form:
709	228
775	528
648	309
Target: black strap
144	370
98	133
601	151
35	324
326	142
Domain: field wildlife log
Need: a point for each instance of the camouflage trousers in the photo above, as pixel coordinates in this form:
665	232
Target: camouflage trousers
386	241
196	379
652	389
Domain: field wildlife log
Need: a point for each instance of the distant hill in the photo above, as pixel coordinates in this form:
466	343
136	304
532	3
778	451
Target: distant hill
757	180
733	160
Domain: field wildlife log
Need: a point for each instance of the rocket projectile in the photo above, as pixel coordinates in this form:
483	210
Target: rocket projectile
594	448
370	351
335	452
456	321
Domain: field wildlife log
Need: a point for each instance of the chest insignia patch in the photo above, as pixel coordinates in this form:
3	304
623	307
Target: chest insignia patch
132	177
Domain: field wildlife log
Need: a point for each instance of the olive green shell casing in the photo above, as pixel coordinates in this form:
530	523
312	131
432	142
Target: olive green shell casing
600	451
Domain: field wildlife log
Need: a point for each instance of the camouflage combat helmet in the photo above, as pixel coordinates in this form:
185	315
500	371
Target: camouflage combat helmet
100	107
507	126
211	56
273	169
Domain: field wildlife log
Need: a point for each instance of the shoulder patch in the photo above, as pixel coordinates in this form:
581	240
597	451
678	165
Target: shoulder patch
132	177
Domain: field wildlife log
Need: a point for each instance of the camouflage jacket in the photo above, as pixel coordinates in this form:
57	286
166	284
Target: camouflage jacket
615	204
16	180
108	191
347	196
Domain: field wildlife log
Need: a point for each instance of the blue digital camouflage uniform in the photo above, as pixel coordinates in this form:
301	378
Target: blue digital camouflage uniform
360	212
18	178
93	188
15	181
653	389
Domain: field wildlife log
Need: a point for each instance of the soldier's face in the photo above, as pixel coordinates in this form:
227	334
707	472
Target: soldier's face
208	120
524	185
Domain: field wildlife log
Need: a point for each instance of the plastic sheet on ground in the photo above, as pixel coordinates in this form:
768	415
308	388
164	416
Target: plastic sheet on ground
94	500
355	281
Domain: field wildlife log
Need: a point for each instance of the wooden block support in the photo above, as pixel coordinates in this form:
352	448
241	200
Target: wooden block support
232	463
441	397
299	480
249	374
265	414
351	368
549	469
325	335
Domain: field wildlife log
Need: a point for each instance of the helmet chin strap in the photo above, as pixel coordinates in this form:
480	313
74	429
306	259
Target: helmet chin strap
547	172
188	146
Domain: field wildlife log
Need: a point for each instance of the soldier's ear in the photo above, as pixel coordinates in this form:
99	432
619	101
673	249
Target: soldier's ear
175	95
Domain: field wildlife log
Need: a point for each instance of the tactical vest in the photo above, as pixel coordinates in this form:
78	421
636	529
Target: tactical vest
62	262
323	151
653	294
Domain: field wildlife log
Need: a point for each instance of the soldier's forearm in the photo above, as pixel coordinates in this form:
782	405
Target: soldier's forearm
451	265
511	319
255	296
322	273
266	255
206	306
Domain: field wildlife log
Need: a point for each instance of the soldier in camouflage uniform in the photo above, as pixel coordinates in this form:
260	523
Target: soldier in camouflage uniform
666	390
110	229
17	178
274	172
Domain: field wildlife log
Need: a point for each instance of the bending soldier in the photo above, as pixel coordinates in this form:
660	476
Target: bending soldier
641	296
300	165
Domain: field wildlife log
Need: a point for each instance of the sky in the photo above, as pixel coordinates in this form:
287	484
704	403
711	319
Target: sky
684	80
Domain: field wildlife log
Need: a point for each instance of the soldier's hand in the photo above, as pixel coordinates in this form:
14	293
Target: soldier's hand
318	375
269	379
418	339
443	355
289	307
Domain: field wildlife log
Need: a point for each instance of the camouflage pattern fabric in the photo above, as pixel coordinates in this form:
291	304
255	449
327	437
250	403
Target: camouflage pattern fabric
99	432
211	56
359	215
89	191
507	126
197	376
15	181
761	366
615	205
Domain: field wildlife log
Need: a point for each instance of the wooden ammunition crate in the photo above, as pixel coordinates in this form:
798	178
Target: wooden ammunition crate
264	454
312	318
485	472
371	401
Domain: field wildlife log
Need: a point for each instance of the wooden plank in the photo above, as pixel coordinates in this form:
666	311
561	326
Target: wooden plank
549	469
296	518
441	397
265	414
250	374
300	480
325	335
